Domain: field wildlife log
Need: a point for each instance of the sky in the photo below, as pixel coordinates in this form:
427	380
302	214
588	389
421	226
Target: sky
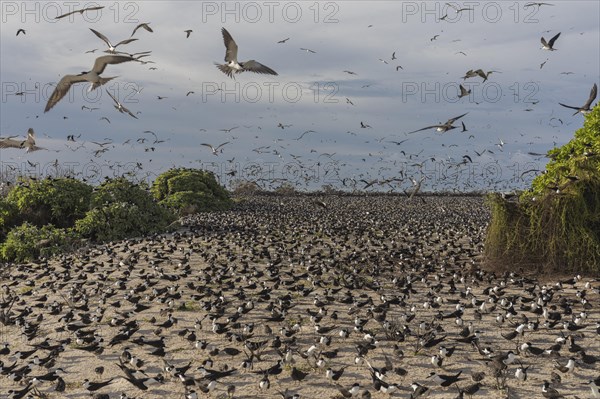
377	71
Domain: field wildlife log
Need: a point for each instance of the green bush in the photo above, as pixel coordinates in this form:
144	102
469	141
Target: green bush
190	190
8	215
58	201
27	242
556	224
122	209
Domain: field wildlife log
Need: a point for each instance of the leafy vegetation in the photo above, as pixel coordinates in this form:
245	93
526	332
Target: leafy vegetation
189	191
555	224
43	217
50	201
120	209
27	242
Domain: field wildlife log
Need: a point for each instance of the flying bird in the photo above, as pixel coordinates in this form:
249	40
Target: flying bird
233	66
284	40
28	143
479	72
550	44
308	50
20	31
92	76
188	32
111	48
585	108
444	127
80	11
120	106
144	25
537	4
215	150
463	92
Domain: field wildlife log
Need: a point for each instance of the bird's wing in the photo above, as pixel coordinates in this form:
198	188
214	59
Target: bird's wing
62	88
425	128
451	121
255	66
551	42
226	70
209	146
230	45
101	62
10	143
568	106
129	112
126	41
101	36
145	26
67	14
544	43
593	94
111	96
221	145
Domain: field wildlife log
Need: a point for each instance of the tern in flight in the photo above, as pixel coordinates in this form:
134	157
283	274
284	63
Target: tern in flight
92	76
28	143
80	11
549	45
120	106
444	127
215	150
233	66
585	108
111	48
144	25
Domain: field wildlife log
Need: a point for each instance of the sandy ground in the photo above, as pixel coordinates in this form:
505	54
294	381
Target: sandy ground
351	260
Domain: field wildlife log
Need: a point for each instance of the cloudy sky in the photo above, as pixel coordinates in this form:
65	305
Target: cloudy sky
349	79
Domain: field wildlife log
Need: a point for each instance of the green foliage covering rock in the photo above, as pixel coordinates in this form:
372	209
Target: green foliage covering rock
556	224
122	209
58	201
27	242
190	190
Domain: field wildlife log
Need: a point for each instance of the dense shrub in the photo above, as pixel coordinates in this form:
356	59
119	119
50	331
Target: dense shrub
190	190
8	214
556	223
58	201
27	242
122	209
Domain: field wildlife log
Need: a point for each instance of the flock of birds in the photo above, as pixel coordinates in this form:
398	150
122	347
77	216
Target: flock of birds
302	297
382	165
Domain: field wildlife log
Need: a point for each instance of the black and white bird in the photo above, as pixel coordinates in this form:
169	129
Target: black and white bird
215	150
550	393
445	380
444	127
232	66
120	107
112	49
549	45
